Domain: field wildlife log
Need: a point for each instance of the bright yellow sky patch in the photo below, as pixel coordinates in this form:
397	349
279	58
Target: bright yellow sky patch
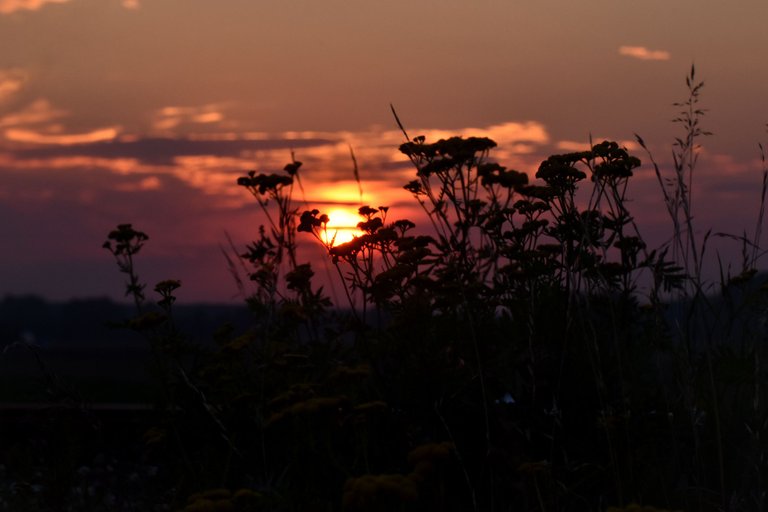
342	226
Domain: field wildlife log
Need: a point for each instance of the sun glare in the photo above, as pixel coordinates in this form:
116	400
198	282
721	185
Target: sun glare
342	226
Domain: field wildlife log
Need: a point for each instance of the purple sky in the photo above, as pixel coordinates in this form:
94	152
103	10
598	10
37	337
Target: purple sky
146	111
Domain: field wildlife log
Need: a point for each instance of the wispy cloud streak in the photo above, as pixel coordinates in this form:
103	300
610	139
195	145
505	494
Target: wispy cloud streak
210	163
11	81
643	53
170	118
38	112
29	136
165	151
9	6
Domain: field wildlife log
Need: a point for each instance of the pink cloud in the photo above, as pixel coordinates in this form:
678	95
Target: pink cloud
118	166
211	163
40	111
148	183
169	118
643	53
21	135
572	145
9	6
11	81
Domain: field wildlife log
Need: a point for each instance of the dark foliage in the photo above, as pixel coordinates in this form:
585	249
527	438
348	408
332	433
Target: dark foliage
505	358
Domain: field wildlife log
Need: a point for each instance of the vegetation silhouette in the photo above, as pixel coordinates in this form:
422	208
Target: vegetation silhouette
504	358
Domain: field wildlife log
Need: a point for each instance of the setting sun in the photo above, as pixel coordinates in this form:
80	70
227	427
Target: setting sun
342	226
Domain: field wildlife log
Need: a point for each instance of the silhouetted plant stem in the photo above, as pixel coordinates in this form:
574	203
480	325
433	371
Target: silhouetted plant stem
124	242
761	214
685	159
465	471
483	392
351	303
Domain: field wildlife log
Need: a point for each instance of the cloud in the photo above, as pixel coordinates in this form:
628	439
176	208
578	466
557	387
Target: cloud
377	152
37	112
11	81
504	133
116	166
573	146
22	135
9	6
148	183
211	162
41	115
643	53
169	118
165	151
183	192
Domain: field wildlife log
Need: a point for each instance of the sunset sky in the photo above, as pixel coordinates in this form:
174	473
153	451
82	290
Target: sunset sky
147	111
